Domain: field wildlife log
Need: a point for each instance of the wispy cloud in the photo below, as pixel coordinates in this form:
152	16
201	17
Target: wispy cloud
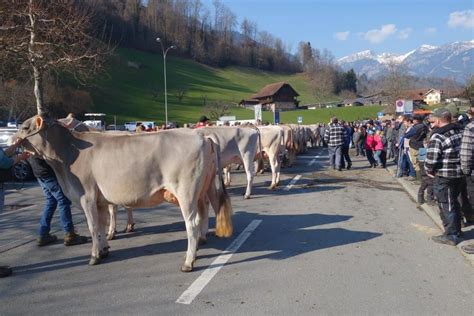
342	36
430	31
376	36
405	33
463	19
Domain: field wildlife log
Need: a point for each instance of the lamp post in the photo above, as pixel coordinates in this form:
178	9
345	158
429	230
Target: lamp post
165	52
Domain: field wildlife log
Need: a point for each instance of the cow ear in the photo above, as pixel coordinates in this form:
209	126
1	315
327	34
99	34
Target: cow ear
39	122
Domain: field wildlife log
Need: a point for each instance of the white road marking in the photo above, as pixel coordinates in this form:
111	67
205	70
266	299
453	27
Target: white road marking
200	283
292	183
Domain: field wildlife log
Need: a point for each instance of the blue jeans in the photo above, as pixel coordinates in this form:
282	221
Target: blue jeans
335	156
54	198
378	157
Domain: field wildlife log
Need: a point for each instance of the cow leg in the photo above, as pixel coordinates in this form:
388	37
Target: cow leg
190	214
250	171
113	221
103	243
130	223
203	219
92	216
275	165
226	171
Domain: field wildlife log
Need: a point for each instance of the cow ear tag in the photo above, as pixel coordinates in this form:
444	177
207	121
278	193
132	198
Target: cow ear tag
39	122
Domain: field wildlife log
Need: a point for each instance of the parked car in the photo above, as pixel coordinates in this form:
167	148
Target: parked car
22	170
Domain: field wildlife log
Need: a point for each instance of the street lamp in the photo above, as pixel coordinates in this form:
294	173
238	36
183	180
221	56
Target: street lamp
165	52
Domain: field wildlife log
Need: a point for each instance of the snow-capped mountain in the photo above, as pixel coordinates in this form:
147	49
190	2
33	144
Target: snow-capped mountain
454	60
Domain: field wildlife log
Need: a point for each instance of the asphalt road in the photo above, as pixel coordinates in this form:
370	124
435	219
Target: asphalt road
348	242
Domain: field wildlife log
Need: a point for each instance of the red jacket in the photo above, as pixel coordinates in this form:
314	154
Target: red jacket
378	145
369	142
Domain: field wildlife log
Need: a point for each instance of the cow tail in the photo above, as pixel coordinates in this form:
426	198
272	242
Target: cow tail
224	226
260	163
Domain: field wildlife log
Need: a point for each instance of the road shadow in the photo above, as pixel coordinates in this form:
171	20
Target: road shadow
279	237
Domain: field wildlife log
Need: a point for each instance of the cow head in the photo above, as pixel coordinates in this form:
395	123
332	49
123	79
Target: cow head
31	131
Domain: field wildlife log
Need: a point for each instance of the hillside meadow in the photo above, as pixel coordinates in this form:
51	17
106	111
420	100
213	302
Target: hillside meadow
134	93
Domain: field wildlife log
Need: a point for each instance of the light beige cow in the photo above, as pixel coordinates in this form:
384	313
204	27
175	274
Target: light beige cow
142	170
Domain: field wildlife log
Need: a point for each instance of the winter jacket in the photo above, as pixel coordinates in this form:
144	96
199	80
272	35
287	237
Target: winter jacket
369	142
378	144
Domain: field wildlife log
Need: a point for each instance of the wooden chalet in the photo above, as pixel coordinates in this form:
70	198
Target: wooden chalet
278	96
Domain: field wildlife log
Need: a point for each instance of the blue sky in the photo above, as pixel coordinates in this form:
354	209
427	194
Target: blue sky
345	27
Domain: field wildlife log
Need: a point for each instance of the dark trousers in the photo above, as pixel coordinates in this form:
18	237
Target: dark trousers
370	156
345	157
447	192
467	198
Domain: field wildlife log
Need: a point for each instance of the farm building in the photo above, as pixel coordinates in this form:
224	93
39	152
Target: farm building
276	96
426	95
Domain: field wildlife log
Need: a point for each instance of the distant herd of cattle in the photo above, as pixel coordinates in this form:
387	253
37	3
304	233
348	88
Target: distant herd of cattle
103	170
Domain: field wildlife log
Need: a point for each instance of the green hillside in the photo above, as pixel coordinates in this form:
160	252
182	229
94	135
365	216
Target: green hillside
138	94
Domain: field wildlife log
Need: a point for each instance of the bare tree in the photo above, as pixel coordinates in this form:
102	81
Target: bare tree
49	37
395	83
216	109
180	93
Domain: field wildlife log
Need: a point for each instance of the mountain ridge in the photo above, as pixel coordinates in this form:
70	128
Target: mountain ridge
453	60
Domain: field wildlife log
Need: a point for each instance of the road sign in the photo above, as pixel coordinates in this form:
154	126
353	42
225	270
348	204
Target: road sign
300	119
276	117
258	112
400	106
408	107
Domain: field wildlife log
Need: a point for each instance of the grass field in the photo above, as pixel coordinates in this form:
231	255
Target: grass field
138	94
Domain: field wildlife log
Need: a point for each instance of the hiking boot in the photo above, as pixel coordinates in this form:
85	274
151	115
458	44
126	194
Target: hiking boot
468	249
411	179
421	199
446	240
349	166
46	240
71	239
5	271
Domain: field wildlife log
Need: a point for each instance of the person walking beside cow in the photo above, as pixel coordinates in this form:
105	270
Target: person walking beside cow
55	198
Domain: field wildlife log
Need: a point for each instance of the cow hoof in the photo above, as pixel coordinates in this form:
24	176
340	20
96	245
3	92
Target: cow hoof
202	241
186	268
104	253
226	184
94	261
110	236
246	197
130	228
272	187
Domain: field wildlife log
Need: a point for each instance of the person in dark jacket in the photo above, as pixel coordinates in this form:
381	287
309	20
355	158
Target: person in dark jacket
416	135
55	198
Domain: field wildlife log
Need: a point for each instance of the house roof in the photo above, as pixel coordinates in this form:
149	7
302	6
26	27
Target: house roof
416	94
272	89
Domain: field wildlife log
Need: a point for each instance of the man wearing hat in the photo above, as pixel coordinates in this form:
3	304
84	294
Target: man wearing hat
443	164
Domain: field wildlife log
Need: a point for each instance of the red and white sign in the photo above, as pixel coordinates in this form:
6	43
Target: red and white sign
400	106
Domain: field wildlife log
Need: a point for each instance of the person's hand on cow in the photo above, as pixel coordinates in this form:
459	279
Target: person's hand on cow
23	156
10	151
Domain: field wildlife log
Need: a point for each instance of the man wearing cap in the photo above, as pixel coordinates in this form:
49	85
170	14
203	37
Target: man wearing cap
467	163
443	163
334	137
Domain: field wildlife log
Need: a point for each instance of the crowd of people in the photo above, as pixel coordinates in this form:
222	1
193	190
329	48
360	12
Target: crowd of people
435	151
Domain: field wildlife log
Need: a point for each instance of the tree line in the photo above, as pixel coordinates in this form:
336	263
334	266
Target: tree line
207	35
